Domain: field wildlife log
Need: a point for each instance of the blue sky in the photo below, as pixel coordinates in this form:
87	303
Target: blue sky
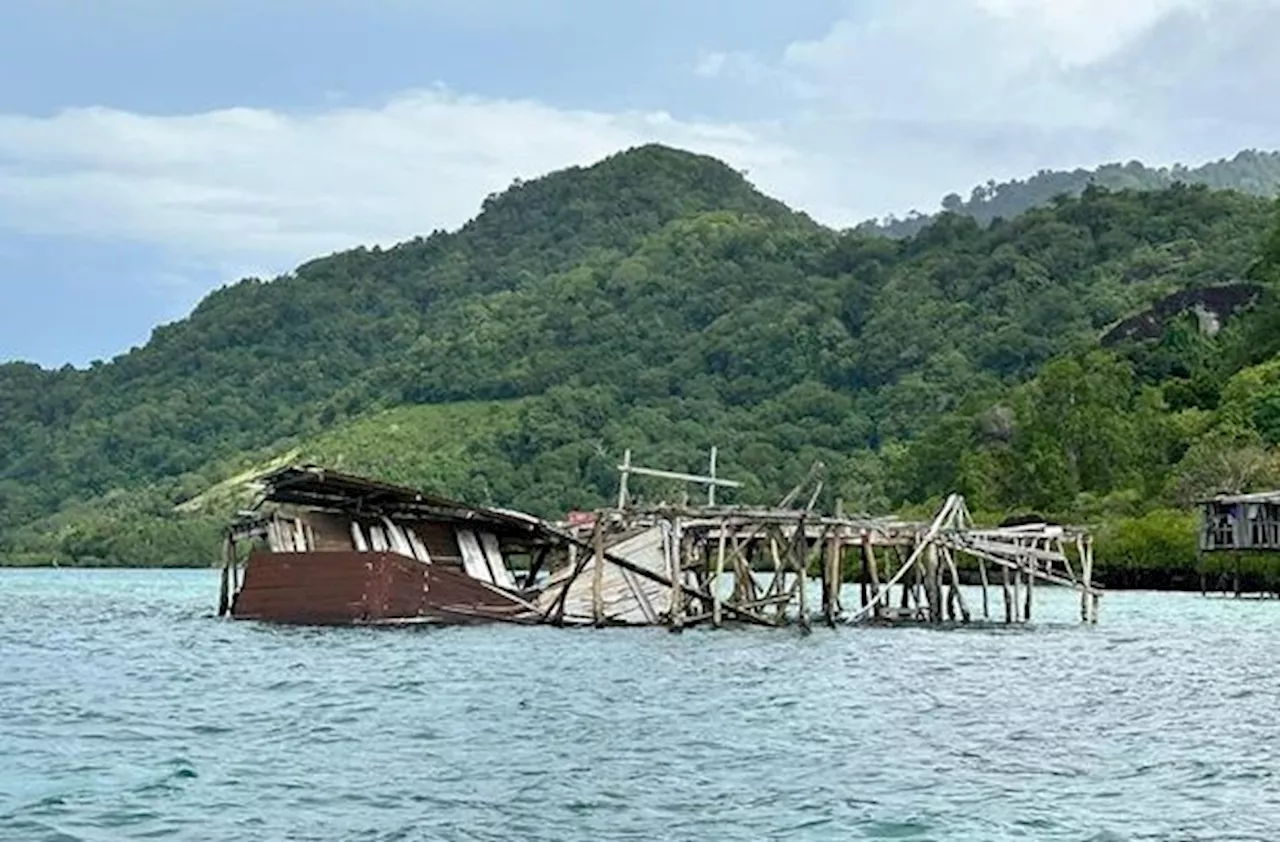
151	150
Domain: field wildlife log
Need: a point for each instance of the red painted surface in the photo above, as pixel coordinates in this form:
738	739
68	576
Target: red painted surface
345	587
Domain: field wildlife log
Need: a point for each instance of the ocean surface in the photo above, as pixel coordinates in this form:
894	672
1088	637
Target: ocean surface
127	711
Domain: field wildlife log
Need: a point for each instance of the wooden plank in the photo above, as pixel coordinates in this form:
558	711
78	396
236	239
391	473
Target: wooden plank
473	560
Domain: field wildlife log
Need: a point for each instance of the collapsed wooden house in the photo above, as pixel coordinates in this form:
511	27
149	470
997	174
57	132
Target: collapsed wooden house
331	548
326	547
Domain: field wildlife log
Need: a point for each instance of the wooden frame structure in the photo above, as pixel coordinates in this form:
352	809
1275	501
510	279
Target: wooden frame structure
343	549
681	566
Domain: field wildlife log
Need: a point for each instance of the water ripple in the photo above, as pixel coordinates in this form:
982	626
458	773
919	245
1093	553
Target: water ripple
127	711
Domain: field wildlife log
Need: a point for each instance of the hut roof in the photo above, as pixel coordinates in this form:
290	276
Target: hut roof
1230	499
316	487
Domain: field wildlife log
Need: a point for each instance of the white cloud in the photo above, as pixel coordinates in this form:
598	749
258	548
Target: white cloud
931	96
1079	32
888	110
245	186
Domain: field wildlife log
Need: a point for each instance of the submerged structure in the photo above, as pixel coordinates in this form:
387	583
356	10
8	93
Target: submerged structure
325	547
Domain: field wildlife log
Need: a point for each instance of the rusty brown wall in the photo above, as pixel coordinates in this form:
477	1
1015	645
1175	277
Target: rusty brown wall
351	587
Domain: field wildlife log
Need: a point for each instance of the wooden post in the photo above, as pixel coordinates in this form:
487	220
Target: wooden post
830	578
1008	597
864	576
986	604
1085	548
1017	589
800	555
779	585
597	573
871	564
625	469
835	546
228	558
908	587
715	580
711	486
957	595
1031	583
931	582
675	608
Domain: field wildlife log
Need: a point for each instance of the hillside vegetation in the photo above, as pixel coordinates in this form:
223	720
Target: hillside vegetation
656	301
1252	172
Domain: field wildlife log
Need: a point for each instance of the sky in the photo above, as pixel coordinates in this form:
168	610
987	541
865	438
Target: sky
153	150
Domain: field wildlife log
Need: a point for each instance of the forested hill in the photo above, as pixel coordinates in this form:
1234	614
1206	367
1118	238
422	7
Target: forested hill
1253	172
258	361
654	301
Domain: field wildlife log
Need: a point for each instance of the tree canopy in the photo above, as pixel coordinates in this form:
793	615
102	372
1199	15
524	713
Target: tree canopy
657	302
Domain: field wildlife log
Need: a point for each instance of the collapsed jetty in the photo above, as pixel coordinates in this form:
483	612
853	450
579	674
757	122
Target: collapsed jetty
323	547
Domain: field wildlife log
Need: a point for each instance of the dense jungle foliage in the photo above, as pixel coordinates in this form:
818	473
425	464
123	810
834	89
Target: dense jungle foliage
1252	172
656	301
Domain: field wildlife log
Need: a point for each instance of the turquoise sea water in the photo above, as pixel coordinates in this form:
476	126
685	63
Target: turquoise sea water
128	712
